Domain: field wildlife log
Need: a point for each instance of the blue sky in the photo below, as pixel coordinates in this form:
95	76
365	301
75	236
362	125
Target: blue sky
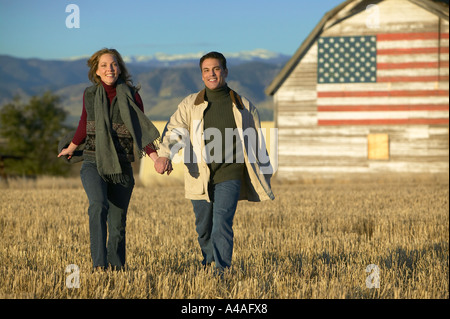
37	28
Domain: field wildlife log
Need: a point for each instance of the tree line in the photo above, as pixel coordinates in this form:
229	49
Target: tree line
29	135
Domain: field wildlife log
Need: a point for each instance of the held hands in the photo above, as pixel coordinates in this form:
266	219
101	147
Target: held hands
162	165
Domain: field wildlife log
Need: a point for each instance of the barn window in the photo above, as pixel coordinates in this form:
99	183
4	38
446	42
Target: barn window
378	146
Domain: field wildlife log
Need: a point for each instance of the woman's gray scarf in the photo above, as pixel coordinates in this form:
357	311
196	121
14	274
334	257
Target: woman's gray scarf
140	127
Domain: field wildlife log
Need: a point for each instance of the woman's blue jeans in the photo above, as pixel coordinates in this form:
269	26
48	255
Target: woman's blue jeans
108	205
214	223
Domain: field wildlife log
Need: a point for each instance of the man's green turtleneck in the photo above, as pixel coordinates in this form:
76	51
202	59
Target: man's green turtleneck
219	115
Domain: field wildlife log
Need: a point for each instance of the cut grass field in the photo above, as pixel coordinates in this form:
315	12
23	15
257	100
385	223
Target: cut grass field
315	240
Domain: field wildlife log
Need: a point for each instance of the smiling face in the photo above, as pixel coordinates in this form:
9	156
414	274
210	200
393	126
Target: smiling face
213	74
108	69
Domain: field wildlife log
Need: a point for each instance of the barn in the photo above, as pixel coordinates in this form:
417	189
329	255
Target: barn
367	92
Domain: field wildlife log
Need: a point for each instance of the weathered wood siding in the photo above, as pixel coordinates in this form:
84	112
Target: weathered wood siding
306	147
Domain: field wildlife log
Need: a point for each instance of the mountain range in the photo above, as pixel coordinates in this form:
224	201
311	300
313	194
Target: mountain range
164	80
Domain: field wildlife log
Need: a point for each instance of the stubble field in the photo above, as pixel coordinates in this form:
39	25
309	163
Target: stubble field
317	239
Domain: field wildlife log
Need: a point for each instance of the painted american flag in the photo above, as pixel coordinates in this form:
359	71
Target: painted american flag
384	79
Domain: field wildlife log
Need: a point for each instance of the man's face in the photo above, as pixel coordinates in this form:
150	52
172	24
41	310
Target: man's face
213	74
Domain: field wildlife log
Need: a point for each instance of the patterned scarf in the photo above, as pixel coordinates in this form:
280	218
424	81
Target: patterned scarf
142	130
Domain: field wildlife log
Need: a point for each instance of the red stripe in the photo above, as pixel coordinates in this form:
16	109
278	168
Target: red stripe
410	36
357	108
427	78
411	65
383	93
385	122
412	51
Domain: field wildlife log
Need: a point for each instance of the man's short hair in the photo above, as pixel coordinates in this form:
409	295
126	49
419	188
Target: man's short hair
214	55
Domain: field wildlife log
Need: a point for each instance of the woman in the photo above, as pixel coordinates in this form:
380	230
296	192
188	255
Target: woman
112	121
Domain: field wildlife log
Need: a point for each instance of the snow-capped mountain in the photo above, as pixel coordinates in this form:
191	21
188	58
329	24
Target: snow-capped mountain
233	58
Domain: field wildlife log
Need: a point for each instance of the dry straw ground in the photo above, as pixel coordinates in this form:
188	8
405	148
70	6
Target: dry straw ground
314	241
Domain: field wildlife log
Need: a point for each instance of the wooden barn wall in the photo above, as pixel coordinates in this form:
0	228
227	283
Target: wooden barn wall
305	147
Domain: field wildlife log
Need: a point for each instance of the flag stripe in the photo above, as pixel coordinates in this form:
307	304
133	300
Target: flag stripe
383	100
405	44
412	50
411	58
425	121
374	115
411	36
385	107
384	93
411	65
431	78
412	72
396	86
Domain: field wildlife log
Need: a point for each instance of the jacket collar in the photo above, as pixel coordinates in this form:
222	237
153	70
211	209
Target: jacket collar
235	98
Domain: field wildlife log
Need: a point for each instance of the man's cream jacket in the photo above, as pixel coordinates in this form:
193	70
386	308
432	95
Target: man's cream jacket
185	130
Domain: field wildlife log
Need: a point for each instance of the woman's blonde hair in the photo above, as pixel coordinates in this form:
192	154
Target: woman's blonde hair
93	66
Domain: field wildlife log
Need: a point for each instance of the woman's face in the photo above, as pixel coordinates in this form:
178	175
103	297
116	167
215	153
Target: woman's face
108	69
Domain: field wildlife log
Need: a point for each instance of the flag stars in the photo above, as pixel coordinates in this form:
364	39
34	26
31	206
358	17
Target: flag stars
346	59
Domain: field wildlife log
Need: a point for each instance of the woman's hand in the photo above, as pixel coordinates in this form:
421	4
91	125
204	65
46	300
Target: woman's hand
68	151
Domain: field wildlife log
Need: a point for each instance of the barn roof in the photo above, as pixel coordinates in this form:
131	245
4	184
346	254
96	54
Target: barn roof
334	16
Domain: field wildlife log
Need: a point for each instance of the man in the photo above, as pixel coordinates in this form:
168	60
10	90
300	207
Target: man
220	133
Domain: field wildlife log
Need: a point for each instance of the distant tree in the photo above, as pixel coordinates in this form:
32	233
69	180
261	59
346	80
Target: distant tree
31	132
